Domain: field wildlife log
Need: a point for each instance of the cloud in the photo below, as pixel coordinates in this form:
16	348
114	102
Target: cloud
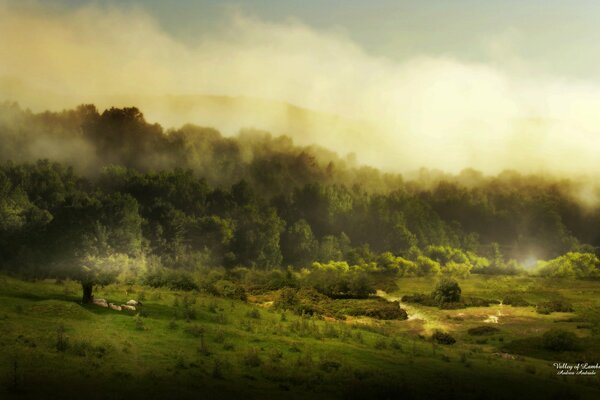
435	112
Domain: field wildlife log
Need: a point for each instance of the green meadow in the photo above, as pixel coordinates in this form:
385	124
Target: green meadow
195	345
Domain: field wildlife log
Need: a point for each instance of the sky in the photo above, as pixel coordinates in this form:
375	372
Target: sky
556	36
438	84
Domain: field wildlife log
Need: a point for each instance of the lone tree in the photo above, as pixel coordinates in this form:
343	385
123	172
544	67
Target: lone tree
446	291
98	271
105	244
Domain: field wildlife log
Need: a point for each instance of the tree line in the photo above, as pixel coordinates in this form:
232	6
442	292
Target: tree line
80	187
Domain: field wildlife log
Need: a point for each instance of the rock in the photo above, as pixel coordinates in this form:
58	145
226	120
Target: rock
127	307
132	303
114	307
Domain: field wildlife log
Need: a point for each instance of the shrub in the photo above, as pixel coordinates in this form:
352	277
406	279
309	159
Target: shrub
338	280
419	298
478	302
228	289
571	265
515	300
375	308
442	337
173	279
559	340
254	313
446	291
483	330
305	301
548	307
286	299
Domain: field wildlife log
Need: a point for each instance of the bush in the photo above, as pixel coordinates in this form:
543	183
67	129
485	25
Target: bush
305	301
339	281
254	313
228	289
286	299
478	302
548	307
173	279
483	330
559	340
446	291
442	337
375	308
419	298
515	300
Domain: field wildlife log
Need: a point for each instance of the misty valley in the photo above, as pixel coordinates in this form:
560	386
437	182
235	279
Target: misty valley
142	262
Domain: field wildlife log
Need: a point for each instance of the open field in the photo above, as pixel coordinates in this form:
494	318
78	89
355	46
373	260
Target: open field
188	344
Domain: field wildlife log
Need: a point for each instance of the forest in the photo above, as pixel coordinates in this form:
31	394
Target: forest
125	197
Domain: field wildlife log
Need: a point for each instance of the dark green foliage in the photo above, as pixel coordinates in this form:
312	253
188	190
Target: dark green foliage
419	298
548	307
228	289
340	282
286	299
258	200
376	308
515	300
446	291
173	279
560	340
442	337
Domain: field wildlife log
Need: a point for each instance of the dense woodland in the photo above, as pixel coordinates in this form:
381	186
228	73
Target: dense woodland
88	195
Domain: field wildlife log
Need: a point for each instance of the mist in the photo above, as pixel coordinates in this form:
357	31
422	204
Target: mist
430	111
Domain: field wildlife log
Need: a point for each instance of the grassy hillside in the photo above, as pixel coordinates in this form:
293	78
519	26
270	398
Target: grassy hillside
191	344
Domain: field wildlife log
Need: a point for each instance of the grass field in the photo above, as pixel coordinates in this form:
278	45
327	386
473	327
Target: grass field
194	345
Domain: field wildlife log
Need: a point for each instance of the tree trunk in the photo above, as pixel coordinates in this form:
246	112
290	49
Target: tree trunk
87	293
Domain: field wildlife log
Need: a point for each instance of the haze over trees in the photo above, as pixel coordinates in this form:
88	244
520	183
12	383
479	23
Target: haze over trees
94	195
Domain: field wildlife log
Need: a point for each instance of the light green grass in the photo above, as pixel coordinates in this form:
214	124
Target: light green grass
108	356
